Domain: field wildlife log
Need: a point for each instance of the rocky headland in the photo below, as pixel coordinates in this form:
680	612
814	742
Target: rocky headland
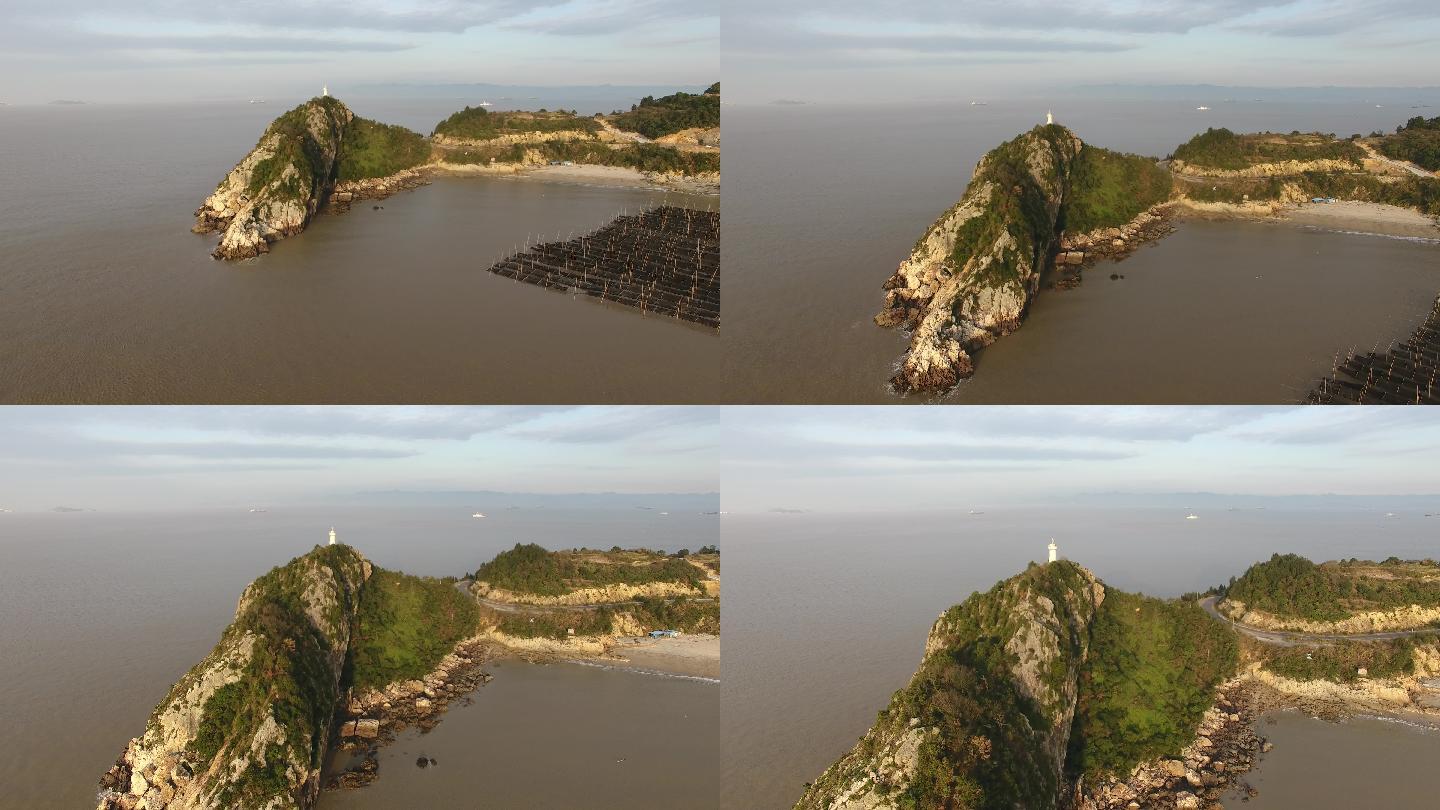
1053	690
274	191
329	658
1046	201
320	154
249	725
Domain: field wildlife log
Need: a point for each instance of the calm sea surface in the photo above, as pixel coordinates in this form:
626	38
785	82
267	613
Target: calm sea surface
826	615
101	613
825	202
1363	762
105	295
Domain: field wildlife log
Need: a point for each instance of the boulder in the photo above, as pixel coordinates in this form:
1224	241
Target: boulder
367	727
1174	767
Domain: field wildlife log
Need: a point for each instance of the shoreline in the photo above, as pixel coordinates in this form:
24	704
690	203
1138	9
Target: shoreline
694	656
585	174
1341	216
369	722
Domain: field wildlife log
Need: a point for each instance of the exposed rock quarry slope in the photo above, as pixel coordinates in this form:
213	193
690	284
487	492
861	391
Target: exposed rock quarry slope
987	718
248	726
279	186
973	273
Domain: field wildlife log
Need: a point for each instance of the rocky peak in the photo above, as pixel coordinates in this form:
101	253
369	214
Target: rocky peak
991	706
274	190
971	276
248	725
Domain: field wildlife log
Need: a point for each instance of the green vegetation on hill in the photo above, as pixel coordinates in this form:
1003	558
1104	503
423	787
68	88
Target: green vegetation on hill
529	568
1417	140
288	676
1019	206
297	147
687	615
645	157
372	149
1342	661
479	124
1290	586
1151	675
406	624
1108	189
1223	149
987	750
1419	193
555	624
656	117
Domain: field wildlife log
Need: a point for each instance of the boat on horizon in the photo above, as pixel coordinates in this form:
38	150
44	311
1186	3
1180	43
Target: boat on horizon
486	104
1202	108
257	101
1192	516
257	510
478	515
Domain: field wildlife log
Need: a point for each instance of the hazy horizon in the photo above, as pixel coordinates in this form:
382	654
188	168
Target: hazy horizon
161	50
866	459
143	459
922	49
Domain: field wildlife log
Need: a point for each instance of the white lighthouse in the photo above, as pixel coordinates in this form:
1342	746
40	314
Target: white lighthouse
1049	119
1053	548
324	89
332	542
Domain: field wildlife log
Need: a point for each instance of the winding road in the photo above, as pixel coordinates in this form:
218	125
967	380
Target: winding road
1285	638
1398	164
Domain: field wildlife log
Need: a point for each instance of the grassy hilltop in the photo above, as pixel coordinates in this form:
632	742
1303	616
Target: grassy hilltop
1290	586
658	117
1417	140
986	722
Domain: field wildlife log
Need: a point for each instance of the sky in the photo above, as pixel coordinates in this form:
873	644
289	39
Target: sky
898	459
175	458
865	52
176	50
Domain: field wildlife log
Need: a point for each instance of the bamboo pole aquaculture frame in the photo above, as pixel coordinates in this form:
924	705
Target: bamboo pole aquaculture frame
663	260
1407	373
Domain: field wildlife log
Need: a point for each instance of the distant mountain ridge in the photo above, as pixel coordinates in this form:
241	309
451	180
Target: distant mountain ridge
1329	93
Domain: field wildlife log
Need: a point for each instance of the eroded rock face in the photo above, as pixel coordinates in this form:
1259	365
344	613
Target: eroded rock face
274	190
248	725
1041	620
973	273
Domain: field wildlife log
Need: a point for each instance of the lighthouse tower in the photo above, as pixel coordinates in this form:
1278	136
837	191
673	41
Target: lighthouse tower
332	542
1049	119
324	89
1053	548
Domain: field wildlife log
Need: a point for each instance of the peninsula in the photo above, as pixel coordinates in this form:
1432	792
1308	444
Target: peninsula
320	154
330	652
1046	204
1055	690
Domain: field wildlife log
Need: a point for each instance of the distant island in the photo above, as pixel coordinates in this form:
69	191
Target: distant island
321	154
1053	689
1047	200
330	651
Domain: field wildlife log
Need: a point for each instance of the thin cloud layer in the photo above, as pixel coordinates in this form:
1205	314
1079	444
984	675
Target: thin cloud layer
89	49
902	459
174	457
847	50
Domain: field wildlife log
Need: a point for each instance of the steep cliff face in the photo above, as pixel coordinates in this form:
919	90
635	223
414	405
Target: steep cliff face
274	191
971	276
986	720
247	726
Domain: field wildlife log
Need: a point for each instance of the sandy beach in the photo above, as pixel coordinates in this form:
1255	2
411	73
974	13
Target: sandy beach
1362	217
579	174
697	655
